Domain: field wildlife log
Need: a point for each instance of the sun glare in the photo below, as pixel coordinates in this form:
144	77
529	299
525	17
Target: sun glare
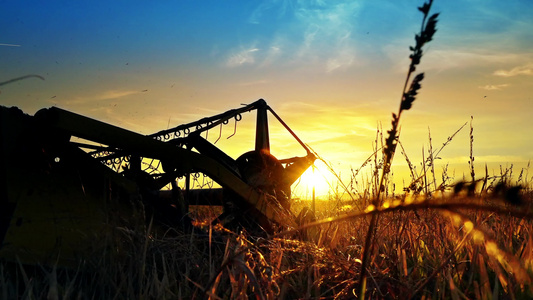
315	177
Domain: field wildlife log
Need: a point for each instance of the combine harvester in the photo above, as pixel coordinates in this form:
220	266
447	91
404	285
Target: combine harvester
68	183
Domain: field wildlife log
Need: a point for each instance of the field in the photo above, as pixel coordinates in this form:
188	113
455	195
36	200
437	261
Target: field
459	246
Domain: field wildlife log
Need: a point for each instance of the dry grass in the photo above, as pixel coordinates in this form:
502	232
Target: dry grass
461	246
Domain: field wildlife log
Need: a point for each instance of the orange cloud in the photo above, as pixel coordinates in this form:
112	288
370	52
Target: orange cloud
493	87
516	71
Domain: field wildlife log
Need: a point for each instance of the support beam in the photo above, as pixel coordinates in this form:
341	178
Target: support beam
262	141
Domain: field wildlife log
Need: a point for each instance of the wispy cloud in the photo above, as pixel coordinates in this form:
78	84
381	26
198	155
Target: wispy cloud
327	34
279	7
444	59
115	94
253	83
494	87
344	56
273	53
9	45
516	71
242	57
307	33
103	96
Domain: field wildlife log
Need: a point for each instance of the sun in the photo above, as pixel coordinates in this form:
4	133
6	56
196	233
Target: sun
314	177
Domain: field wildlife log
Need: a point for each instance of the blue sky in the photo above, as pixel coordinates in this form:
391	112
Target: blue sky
332	69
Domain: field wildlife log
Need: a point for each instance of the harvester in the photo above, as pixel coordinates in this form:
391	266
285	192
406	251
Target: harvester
67	181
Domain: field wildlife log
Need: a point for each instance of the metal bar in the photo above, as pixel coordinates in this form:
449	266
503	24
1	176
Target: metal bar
262	141
289	130
93	147
215	120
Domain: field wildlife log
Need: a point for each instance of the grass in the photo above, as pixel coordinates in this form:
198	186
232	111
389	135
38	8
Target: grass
458	246
436	239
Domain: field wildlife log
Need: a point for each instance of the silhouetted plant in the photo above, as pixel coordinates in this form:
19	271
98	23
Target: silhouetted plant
409	94
427	31
21	78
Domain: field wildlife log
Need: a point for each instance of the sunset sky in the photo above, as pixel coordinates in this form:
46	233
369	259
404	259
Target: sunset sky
333	70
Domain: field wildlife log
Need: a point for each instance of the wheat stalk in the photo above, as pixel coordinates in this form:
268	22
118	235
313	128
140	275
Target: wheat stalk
427	30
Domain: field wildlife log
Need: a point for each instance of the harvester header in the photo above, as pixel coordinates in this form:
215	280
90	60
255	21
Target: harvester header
78	178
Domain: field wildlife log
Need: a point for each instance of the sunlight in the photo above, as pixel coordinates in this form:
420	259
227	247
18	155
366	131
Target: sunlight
315	176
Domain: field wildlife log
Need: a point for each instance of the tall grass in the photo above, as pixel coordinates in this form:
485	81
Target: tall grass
458	246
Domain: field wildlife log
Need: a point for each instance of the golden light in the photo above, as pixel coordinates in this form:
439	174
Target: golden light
316	177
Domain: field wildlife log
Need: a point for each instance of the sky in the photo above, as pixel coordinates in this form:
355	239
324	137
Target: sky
333	70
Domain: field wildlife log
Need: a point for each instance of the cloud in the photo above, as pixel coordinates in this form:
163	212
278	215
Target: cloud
243	56
327	34
516	71
316	119
103	96
305	33
446	58
344	56
115	94
266	7
253	83
493	87
273	53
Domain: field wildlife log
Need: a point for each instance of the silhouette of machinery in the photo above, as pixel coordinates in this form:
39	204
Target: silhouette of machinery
68	181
